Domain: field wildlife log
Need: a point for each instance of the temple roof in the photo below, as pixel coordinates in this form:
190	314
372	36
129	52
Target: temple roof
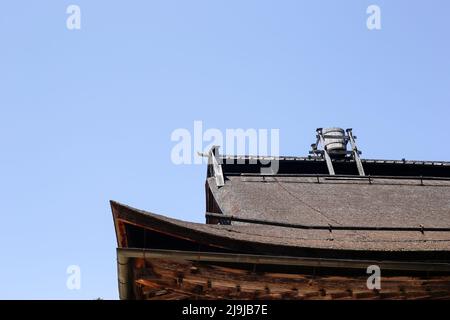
399	210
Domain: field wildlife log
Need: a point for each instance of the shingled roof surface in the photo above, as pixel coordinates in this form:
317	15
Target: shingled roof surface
260	239
395	194
336	201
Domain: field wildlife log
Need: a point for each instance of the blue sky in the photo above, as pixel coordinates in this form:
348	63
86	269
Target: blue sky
86	115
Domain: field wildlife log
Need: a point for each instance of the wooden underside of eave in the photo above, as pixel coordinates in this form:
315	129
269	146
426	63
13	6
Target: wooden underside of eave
169	279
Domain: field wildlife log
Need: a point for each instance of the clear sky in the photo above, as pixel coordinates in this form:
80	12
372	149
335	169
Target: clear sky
86	115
